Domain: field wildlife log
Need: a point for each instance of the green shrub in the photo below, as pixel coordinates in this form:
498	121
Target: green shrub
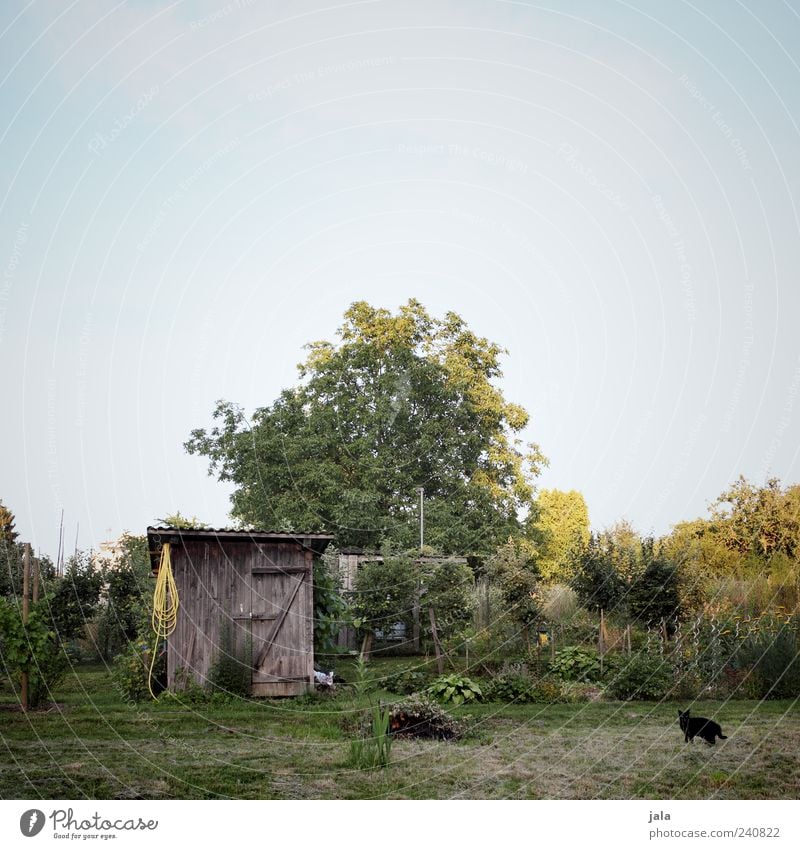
406	681
456	689
187	691
575	663
547	691
34	647
509	687
132	671
772	664
688	686
641	676
330	607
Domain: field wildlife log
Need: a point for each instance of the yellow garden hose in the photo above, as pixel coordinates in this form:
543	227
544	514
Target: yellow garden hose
165	607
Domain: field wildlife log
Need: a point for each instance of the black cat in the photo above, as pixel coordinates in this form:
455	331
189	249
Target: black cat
699	726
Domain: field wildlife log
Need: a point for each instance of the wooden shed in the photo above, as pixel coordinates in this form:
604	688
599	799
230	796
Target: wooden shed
256	586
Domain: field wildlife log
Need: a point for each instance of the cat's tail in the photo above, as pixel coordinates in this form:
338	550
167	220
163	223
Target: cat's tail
722	736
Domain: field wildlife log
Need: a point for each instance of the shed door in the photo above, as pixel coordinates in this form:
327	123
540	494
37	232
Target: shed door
282	627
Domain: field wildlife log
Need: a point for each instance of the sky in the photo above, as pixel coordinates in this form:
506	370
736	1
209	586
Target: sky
191	191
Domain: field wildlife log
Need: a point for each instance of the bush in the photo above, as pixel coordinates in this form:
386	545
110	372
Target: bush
456	689
406	681
132	671
575	663
547	691
688	686
330	608
34	647
510	686
641	676
772	664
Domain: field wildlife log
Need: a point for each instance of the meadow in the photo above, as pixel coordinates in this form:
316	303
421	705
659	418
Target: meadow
96	744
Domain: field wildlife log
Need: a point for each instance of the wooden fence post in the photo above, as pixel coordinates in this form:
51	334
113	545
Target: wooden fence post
26	577
602	641
436	645
36	568
415	628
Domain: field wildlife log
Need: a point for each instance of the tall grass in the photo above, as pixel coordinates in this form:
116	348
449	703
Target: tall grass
373	751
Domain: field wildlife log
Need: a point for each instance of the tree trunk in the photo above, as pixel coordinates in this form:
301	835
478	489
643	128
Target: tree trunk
366	646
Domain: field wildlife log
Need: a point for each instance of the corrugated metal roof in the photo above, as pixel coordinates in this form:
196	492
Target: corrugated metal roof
316	542
243	532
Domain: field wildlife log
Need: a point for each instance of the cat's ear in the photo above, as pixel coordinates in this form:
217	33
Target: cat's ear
679	714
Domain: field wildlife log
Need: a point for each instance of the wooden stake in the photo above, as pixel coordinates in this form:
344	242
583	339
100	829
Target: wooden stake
436	645
602	640
26	578
36	568
416	628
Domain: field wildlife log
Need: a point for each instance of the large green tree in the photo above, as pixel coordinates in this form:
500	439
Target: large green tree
563	521
759	521
398	401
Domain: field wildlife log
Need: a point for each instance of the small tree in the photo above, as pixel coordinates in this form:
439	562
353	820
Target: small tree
654	593
384	595
330	607
596	581
32	647
512	568
127	596
73	600
448	591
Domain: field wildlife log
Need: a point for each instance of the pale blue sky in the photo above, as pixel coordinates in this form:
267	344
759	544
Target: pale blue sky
191	191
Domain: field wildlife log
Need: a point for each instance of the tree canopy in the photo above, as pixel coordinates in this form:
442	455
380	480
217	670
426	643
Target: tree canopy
563	522
397	402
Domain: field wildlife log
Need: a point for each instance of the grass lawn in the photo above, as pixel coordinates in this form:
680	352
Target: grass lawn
95	745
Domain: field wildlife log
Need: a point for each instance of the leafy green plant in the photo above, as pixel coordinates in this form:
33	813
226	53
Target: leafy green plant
456	689
33	647
641	676
407	681
575	663
772	664
510	685
384	593
547	691
187	691
374	750
132	670
447	590
330	608
363	682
